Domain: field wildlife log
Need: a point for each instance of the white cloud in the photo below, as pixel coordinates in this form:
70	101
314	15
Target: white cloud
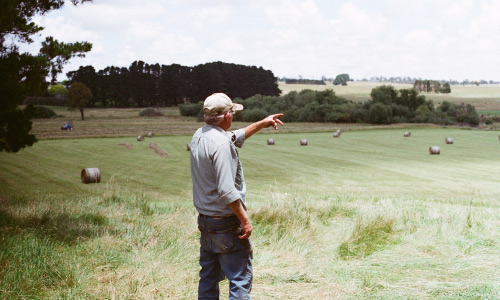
458	11
211	15
427	38
296	14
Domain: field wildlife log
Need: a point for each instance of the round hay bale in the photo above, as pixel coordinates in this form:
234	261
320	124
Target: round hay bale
140	138
434	150
270	141
91	175
188	147
151	134
303	142
449	140
336	134
407	134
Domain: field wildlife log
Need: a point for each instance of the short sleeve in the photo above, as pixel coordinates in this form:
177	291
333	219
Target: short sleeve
237	137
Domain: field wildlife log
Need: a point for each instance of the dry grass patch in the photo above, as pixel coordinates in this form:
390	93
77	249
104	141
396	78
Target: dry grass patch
157	149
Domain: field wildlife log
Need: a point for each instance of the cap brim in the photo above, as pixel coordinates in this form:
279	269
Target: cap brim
237	107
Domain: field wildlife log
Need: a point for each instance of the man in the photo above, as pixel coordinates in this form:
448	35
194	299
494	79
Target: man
219	196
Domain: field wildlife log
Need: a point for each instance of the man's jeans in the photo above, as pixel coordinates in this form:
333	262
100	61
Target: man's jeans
222	253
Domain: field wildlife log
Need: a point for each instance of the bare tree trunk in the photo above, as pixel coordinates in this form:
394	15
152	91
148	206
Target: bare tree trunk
81	112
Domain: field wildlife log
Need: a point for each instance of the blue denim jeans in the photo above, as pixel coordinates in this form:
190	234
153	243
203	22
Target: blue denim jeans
223	254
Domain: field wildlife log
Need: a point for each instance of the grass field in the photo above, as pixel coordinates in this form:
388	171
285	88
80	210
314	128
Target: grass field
369	215
125	122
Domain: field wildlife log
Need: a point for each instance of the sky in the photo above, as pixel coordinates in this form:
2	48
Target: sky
427	39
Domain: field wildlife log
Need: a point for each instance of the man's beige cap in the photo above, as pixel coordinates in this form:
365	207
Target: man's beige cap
219	103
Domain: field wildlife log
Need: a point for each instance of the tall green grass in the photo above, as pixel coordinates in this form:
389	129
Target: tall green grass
368	237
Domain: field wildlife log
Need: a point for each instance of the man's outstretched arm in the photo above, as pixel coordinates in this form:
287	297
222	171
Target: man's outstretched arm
269	121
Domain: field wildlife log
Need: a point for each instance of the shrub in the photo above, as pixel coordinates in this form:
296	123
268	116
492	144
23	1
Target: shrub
379	114
398	119
150	112
254	115
54	101
42	112
191	109
291	114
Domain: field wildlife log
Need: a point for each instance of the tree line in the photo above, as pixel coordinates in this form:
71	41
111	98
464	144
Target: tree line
305	81
410	80
432	86
386	105
143	85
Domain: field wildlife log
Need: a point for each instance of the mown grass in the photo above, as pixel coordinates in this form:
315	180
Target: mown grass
432	219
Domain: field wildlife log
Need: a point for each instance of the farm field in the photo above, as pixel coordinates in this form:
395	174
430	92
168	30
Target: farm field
484	97
369	215
121	122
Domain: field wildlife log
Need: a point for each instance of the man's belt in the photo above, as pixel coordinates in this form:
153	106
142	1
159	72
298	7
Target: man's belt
217	217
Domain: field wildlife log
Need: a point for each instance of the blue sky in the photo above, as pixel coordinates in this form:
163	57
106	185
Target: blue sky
430	39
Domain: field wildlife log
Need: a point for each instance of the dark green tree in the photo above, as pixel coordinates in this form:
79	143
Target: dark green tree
379	114
410	98
446	89
385	94
23	74
88	76
341	79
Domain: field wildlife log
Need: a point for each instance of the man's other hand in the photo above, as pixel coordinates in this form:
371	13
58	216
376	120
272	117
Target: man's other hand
246	230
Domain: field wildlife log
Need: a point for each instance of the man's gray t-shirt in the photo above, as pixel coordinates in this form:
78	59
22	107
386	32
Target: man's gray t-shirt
216	170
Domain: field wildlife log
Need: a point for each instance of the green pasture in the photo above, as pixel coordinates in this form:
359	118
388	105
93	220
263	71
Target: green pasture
489	112
367	162
369	215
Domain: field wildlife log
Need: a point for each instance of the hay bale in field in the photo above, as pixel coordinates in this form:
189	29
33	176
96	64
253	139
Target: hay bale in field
407	134
303	142
434	150
270	141
188	147
140	138
337	134
90	175
449	140
151	134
